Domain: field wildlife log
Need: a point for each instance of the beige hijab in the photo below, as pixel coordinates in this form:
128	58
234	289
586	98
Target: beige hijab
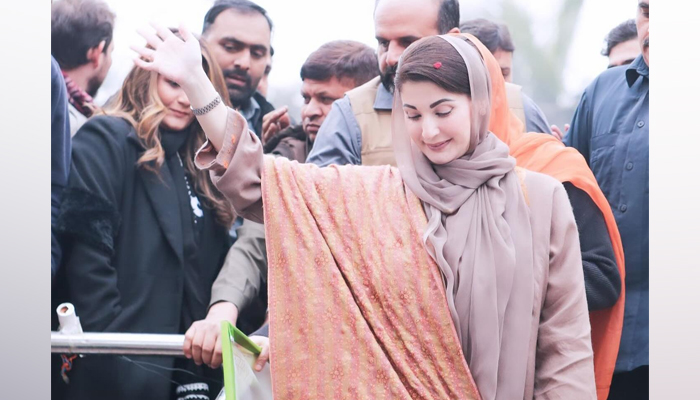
479	235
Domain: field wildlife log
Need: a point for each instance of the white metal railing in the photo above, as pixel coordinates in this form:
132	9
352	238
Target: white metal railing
145	344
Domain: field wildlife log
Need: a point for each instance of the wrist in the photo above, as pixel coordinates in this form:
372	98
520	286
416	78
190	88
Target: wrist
223	310
194	81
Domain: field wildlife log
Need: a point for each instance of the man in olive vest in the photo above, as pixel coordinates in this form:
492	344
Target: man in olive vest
358	128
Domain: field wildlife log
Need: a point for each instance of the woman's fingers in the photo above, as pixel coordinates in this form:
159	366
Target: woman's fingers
163	32
184	32
143	64
143	52
151	38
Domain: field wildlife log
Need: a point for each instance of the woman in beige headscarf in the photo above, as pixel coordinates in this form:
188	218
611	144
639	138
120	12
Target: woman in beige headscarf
456	275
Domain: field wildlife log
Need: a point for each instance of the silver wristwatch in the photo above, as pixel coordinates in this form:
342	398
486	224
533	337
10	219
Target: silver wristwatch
207	108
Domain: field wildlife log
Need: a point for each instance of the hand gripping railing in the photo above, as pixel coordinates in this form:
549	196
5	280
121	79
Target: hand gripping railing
144	344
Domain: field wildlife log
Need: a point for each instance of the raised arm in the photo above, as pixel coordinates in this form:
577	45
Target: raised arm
181	62
232	153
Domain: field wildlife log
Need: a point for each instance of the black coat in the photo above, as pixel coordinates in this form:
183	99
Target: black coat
124	263
265	107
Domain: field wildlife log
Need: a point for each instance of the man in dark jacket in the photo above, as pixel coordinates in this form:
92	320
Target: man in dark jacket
60	154
610	128
238	33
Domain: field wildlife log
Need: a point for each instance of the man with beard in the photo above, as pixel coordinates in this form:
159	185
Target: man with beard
326	75
358	127
238	33
611	129
81	43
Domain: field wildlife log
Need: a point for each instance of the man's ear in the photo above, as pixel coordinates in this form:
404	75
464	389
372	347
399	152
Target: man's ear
94	55
454	30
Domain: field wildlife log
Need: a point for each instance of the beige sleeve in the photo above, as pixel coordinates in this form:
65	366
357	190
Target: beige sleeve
564	366
245	268
236	170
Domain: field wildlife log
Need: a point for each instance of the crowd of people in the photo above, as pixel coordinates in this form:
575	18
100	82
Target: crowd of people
422	232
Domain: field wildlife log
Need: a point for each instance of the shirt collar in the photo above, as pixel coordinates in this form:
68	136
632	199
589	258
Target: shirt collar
384	100
251	112
637	68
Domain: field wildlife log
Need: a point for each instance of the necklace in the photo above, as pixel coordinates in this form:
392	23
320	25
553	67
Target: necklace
194	201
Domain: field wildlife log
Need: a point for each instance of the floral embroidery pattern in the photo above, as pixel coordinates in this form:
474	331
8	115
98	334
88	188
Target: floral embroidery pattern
357	307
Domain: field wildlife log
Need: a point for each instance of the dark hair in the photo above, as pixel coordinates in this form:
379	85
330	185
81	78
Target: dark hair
418	65
619	34
494	36
242	6
448	16
78	26
342	59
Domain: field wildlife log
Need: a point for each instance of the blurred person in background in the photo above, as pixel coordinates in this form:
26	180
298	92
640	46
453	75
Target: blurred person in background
238	33
496	38
621	45
81	42
146	234
610	128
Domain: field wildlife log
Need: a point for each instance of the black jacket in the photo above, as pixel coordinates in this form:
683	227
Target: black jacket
126	259
60	154
265	107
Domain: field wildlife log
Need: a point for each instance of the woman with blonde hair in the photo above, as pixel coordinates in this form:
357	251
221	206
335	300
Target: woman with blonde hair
145	235
454	276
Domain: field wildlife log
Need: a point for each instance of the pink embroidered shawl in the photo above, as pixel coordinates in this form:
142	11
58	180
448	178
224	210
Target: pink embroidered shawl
357	306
